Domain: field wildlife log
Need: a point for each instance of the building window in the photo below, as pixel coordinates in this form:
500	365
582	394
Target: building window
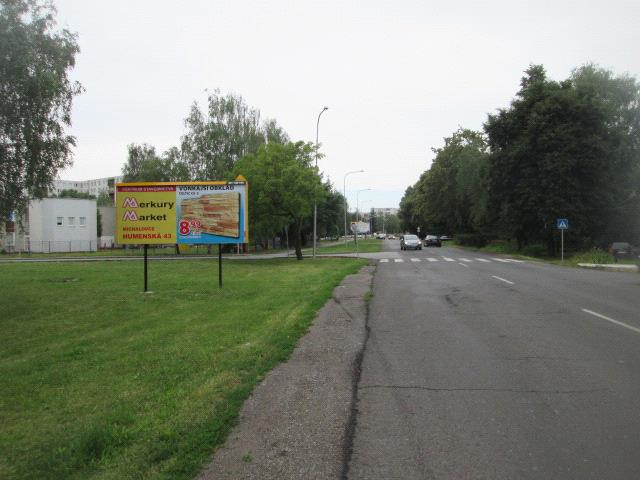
71	221
83	221
59	221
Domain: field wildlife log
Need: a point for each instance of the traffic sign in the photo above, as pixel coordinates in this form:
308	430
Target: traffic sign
562	223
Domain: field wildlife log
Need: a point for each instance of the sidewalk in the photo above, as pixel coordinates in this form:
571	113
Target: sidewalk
296	424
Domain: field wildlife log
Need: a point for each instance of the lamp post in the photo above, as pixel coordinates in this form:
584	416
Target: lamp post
344	193
315	202
357	202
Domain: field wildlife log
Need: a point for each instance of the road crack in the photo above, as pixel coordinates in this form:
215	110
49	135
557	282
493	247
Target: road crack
481	389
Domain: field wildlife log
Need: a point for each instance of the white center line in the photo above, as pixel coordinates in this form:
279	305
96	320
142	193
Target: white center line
447	259
515	261
502	280
463	264
398	260
501	260
465	260
483	260
415	259
637	330
384	260
431	259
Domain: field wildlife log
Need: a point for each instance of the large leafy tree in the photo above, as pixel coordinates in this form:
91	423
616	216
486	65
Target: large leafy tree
145	165
36	95
283	184
227	131
565	149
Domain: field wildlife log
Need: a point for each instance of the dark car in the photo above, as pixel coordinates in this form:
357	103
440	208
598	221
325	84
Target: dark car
410	242
432	241
621	250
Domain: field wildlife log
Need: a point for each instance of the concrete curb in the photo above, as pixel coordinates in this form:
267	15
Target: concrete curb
296	422
610	268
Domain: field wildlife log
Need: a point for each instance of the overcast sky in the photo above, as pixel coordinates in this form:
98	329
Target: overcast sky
397	76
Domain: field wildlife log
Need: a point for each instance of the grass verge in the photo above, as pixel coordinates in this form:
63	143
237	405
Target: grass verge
364	246
100	381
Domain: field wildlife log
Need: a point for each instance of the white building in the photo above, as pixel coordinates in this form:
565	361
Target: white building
61	225
93	187
385	211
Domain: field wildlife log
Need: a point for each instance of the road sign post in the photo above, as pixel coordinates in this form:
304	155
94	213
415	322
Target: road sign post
562	224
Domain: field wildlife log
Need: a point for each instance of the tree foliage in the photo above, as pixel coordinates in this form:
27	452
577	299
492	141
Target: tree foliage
283	184
36	101
226	132
145	165
568	149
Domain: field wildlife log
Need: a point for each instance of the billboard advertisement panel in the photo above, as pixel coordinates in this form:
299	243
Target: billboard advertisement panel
182	213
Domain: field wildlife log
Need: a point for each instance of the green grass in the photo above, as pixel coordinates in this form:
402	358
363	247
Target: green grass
101	381
364	246
538	252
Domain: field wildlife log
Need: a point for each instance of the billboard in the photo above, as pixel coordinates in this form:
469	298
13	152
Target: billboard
182	212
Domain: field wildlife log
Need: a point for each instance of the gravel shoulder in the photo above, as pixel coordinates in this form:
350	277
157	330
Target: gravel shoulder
298	421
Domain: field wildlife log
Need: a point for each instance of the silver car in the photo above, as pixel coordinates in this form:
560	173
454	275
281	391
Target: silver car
410	242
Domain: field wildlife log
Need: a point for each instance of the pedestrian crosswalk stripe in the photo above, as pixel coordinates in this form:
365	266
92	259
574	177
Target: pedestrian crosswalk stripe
415	259
448	259
384	260
483	260
465	260
431	259
398	260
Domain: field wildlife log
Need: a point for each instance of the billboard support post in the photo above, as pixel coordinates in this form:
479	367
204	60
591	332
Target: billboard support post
220	265
146	247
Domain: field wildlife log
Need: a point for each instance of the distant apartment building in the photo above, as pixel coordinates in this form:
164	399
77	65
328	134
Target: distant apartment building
94	187
385	211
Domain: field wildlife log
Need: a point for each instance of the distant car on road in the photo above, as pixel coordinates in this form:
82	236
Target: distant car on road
432	241
445	237
381	236
410	242
391	237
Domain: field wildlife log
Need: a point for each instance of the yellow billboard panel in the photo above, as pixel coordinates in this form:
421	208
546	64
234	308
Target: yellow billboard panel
146	214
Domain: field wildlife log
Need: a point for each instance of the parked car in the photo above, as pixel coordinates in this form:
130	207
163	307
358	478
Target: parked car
410	242
621	250
432	241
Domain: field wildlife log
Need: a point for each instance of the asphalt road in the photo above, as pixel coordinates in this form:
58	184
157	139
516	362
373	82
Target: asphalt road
489	369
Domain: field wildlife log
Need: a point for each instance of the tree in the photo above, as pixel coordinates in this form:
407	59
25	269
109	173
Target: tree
283	185
566	149
229	130
73	193
144	165
36	101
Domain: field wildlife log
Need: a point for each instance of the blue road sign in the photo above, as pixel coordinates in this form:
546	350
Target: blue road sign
562	223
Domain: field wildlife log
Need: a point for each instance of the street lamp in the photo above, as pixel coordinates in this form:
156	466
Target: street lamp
357	202
344	193
315	202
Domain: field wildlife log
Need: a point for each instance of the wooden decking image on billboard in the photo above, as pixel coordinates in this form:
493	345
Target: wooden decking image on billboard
217	214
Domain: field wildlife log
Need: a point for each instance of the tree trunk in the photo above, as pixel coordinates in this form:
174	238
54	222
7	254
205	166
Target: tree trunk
177	249
298	239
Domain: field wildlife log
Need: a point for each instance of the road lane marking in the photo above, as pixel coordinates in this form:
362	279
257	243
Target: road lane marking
463	264
501	260
503	280
637	330
483	260
515	261
465	260
398	260
384	260
415	259
431	259
447	259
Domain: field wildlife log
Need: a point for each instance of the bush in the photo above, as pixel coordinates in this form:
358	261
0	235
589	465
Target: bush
535	250
595	255
471	240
